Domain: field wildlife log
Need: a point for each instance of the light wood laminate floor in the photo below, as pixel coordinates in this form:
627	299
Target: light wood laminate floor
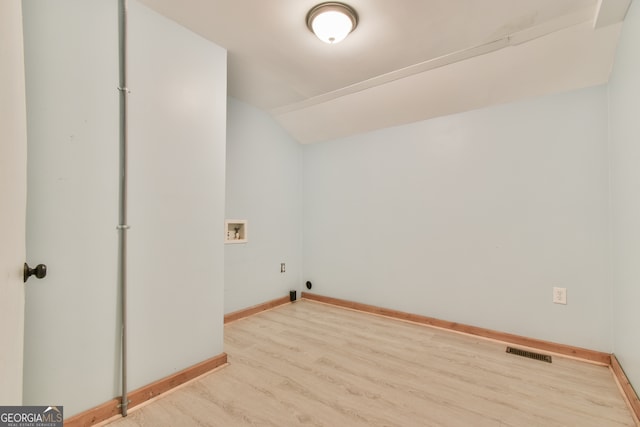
314	364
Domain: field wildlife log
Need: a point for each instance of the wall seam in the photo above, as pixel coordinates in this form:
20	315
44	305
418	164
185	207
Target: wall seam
610	223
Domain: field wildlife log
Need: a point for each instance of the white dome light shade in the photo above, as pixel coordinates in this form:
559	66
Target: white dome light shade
331	22
332	26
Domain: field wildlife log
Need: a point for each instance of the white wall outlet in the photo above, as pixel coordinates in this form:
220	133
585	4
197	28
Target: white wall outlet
559	295
283	268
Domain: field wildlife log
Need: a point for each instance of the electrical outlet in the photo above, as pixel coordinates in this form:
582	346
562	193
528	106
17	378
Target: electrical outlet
559	295
282	267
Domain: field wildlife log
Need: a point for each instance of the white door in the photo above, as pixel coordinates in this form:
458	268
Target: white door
71	338
13	193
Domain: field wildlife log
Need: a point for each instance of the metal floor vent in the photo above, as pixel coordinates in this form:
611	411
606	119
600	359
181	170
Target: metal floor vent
529	354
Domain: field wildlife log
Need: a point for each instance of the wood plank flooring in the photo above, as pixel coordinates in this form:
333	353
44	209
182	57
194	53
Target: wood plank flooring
314	364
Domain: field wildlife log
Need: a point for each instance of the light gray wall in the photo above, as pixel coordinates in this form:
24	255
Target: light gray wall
624	104
178	131
263	187
176	200
471	218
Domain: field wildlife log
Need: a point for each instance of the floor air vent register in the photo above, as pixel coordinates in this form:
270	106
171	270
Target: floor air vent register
529	354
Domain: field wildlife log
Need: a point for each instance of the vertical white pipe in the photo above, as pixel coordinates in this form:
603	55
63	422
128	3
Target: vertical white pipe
122	222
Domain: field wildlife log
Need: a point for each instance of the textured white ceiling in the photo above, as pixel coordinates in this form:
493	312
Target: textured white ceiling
408	60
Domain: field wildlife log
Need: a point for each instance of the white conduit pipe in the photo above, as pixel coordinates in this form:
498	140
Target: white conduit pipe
122	221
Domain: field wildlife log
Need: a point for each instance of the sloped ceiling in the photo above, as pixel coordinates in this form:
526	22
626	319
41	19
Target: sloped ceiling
408	60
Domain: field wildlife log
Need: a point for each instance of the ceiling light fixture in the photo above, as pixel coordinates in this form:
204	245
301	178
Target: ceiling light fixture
331	22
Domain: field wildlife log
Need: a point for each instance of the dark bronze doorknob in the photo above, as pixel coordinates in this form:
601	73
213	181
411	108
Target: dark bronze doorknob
40	271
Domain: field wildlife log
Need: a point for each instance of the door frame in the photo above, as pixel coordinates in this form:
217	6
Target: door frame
13	200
